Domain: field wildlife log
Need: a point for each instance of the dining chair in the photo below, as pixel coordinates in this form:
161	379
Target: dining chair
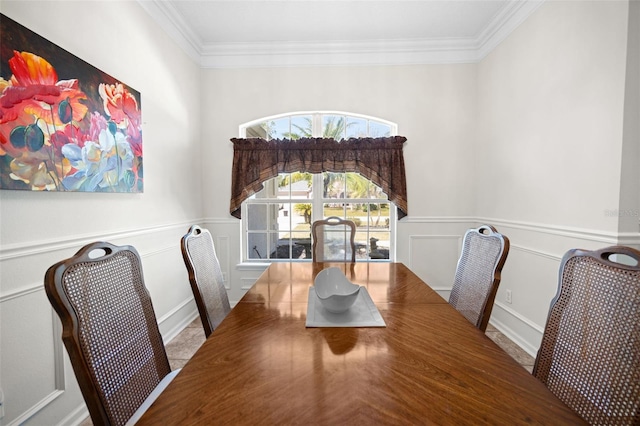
590	351
110	331
205	276
478	274
333	240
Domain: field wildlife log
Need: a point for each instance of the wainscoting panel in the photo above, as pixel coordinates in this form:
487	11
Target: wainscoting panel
28	343
430	246
37	380
434	258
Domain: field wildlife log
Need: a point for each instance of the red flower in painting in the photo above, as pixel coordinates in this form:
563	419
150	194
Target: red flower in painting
50	139
119	104
35	88
122	107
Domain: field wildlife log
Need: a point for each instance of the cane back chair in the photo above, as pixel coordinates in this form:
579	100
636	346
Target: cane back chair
333	240
590	351
205	276
478	274
110	331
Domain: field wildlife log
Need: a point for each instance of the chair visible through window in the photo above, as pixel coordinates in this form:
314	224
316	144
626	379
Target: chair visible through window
333	240
478	274
205	277
590	351
110	331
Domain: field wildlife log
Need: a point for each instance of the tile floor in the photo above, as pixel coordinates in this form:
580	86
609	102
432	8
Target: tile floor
185	344
507	345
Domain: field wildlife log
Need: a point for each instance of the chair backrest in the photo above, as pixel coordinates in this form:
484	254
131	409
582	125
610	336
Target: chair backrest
590	351
205	276
109	328
484	252
333	240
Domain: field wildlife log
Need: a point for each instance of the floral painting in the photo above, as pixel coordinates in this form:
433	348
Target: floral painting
64	124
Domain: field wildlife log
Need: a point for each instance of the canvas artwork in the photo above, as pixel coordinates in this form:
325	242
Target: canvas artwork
64	124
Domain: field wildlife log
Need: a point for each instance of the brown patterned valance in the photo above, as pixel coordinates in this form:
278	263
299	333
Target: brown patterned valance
380	160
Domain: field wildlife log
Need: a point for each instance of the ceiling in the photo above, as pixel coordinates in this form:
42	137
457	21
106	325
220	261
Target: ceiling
251	33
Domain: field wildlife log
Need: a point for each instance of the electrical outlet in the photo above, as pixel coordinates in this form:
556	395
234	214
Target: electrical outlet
508	296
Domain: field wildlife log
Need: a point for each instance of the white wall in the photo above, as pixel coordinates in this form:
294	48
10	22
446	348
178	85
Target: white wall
537	139
433	105
39	229
551	107
630	177
530	140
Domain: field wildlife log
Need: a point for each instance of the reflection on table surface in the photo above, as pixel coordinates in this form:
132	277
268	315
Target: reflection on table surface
429	365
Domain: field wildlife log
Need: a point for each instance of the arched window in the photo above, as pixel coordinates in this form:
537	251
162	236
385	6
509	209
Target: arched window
276	221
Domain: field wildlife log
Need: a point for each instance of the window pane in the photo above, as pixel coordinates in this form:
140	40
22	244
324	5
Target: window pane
379	245
301	218
279	128
333	185
357	186
284	185
377	130
379	216
282	247
301	126
257	245
356	127
376	192
257	217
301	185
333	209
259	130
333	126
279	217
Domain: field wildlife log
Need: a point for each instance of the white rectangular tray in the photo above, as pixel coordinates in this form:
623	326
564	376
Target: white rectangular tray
363	313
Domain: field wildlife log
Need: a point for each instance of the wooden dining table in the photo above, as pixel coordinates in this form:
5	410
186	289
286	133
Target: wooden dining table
428	365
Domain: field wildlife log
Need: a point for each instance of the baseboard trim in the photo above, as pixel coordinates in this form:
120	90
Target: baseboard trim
511	333
76	417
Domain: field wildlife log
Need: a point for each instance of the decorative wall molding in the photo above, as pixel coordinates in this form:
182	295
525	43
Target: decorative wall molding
247	283
436	219
629	239
37	248
520	318
59	373
35	408
31	248
538	253
76	416
510	333
187	319
176	309
413	238
362	53
249	266
34	288
606	237
504	24
222	246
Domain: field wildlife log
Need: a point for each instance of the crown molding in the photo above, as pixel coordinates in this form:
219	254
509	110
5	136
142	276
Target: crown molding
340	53
165	15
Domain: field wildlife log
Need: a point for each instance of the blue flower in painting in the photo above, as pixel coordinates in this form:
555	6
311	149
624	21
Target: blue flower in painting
99	166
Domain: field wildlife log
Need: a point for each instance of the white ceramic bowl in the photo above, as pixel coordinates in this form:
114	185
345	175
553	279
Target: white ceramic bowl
336	293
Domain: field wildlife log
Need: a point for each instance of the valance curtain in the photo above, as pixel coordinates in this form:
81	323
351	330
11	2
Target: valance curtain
380	160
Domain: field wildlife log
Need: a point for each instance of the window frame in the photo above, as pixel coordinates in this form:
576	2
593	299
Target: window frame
317	201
